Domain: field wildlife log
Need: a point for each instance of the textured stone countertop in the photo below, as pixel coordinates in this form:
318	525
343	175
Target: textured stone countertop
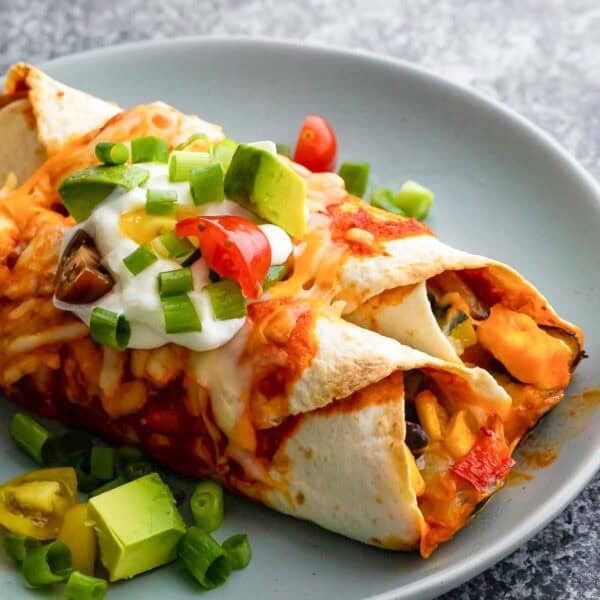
540	57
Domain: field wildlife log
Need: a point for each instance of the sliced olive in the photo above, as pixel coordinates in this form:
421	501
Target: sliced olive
81	277
416	438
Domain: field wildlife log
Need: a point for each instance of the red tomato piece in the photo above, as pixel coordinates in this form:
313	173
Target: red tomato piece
316	148
486	463
233	247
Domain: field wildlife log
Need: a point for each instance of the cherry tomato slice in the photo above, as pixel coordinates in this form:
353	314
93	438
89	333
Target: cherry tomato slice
233	247
316	148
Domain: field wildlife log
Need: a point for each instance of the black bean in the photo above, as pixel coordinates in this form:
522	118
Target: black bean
416	438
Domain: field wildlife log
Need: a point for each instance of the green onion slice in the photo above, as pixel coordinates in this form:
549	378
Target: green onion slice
29	435
86	482
274	274
170	245
85	189
84	587
135	470
195	138
161	202
355	176
111	154
127	455
227	300
17	546
207	184
284	150
47	564
204	558
206	505
180	314
414	200
149	149
223	152
111	485
109	328
102	462
181	163
173	283
237	548
384	198
139	260
66	449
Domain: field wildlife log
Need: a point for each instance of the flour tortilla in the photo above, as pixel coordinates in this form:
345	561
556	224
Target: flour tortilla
40	116
347	448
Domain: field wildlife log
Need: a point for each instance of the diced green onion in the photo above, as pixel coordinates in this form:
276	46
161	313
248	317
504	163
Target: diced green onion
85	189
86	482
173	283
274	274
227	300
223	152
137	469
112	154
284	150
47	564
85	587
29	435
384	198
110	485
192	258
237	548
149	149
204	558
207	506
127	455
139	260
355	176
192	139
66	449
170	245
414	199
102	462
206	184
161	201
182	163
17	546
180	314
109	328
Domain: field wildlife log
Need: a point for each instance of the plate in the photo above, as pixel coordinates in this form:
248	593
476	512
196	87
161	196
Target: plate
503	189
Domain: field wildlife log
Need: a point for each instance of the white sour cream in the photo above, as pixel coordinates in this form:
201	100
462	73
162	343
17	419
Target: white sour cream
136	296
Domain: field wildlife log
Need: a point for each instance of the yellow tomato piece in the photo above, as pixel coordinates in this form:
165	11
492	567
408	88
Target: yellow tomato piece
143	228
34	504
78	533
432	416
529	353
461	433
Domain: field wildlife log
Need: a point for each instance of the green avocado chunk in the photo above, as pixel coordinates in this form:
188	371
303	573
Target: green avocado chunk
264	184
138	526
85	189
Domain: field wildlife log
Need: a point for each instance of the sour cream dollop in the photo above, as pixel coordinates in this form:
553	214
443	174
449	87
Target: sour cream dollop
136	296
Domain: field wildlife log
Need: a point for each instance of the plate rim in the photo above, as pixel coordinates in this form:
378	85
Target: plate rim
454	574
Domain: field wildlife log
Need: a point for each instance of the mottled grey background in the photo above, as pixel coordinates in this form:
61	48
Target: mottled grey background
540	57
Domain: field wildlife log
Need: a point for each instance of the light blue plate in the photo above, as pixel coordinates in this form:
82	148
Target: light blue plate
503	188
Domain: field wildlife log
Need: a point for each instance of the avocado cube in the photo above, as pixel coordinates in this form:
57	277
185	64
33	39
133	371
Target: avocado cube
264	184
138	526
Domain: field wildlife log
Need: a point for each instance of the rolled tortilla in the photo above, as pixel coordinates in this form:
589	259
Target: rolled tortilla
392	275
39	116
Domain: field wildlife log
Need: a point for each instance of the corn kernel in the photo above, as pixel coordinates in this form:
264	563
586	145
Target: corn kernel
432	415
461	433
